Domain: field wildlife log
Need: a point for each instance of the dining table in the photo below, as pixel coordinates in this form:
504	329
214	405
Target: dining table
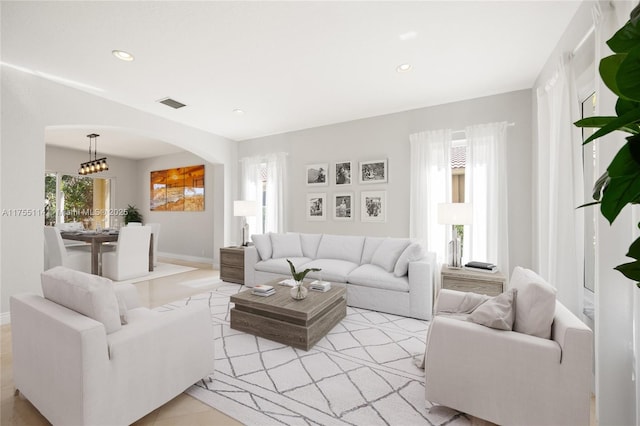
96	239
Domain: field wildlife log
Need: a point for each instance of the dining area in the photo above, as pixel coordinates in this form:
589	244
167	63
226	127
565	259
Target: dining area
118	254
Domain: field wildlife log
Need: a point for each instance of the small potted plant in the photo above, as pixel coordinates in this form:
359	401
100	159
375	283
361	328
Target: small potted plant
299	292
133	215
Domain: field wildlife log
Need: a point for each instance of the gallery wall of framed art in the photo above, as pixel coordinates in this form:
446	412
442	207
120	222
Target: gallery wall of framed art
341	205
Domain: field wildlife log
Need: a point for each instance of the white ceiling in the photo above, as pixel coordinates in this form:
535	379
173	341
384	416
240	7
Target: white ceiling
288	65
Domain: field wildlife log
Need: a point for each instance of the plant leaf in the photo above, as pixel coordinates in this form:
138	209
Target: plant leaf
593	203
624	186
294	274
600	186
634	250
609	69
602	121
626	38
617	124
630	270
628	75
625	105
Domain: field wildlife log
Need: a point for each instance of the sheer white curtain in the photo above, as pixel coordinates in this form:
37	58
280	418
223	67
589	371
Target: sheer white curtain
560	225
274	194
255	170
487	239
430	185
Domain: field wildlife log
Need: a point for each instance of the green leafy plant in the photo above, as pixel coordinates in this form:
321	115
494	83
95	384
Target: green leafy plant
299	276
133	215
620	184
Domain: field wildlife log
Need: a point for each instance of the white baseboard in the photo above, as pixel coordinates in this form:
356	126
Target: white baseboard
5	318
186	257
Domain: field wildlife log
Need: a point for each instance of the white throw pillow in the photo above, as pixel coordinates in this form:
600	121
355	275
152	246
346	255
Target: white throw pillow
497	312
535	305
87	294
310	243
286	245
263	245
387	254
412	253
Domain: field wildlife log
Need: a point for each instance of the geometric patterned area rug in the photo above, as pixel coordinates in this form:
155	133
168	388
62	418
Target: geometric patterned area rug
361	373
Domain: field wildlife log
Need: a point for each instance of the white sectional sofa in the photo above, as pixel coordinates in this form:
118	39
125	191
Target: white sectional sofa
393	275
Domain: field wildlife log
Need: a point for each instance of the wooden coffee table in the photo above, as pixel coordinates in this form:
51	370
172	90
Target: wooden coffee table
298	323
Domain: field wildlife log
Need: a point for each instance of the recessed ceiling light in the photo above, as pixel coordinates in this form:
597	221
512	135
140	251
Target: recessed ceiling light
238	111
122	55
403	67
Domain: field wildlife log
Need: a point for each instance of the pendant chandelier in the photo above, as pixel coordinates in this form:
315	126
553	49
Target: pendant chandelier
97	164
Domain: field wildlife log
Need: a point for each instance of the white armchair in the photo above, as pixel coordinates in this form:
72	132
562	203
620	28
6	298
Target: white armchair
509	377
79	370
131	256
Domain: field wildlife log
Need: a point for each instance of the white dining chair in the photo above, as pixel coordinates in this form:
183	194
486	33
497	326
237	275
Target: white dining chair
57	254
130	259
134	224
155	230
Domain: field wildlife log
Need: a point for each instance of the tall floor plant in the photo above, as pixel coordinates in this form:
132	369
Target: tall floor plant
620	184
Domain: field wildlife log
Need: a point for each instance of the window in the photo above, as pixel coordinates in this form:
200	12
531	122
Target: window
77	199
589	158
458	163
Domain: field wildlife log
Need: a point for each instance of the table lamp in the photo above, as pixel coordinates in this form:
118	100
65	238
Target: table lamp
244	209
455	214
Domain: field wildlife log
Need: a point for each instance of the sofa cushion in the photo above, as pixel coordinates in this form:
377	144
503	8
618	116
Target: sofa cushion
280	266
286	245
310	243
388	252
341	247
497	312
374	276
263	245
331	269
535	303
413	252
371	244
90	295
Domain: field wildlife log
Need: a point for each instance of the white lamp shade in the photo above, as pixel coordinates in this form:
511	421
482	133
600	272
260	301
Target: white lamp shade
455	213
244	208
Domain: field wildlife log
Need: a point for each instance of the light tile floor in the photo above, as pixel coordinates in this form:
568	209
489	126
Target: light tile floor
182	410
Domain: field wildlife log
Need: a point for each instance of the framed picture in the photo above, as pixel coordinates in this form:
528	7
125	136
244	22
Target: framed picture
317	206
373	171
342	173
317	174
178	189
373	206
343	206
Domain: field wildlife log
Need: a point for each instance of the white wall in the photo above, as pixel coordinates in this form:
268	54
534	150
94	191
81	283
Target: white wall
185	235
388	137
29	105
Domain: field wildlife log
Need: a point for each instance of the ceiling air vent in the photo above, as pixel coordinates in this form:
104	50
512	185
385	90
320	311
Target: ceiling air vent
171	103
